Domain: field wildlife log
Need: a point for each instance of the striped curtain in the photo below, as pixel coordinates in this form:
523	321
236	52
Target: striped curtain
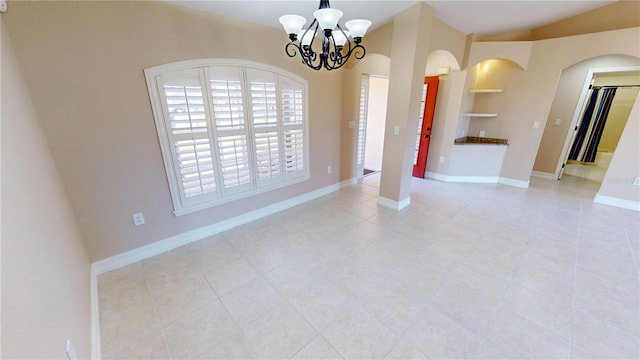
585	145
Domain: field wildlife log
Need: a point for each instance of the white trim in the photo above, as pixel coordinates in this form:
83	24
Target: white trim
544	175
462	179
617	202
176	241
392	204
478	179
349	182
96	352
513	182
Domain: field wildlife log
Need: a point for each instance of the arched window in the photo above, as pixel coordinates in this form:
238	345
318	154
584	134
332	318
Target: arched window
228	129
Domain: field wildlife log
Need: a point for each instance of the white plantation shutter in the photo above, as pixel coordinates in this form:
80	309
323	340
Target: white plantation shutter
362	123
293	124
188	135
228	129
266	127
231	129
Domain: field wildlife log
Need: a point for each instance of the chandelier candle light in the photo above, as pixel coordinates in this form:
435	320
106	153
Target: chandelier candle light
334	54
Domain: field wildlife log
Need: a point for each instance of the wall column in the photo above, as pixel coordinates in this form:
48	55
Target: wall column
410	41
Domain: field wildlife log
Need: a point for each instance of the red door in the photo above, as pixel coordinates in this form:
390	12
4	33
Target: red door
424	130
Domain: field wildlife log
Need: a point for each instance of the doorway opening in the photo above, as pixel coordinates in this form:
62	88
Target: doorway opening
371	125
601	116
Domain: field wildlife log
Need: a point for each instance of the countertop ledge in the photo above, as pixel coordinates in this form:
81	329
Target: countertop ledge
475	140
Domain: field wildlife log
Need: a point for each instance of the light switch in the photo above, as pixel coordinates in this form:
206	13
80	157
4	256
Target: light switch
396	130
536	124
557	122
352	124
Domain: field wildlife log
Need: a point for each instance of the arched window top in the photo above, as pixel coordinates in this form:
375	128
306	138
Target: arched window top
228	129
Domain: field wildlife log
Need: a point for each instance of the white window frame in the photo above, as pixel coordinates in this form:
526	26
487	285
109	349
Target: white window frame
183	205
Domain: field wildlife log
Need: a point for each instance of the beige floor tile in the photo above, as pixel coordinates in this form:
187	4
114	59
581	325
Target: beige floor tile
175	298
470	297
137	335
517	337
360	336
228	277
251	300
467	271
322	304
280	333
549	310
218	254
175	264
439	337
405	349
205	333
598	339
317	349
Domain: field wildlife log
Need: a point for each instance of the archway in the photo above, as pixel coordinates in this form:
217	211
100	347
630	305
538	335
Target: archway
566	110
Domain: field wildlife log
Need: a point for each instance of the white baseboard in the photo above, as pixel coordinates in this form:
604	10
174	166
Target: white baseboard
173	242
96	352
544	175
617	202
392	204
462	179
478	179
513	182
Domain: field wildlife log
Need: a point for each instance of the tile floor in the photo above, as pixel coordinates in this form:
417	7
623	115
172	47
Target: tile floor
594	172
467	271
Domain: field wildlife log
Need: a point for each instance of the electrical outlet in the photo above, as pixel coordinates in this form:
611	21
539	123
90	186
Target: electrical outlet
557	122
441	159
329	170
138	219
636	181
536	124
481	134
70	351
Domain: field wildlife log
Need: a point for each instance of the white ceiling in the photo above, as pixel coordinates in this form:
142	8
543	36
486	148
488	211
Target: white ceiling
471	16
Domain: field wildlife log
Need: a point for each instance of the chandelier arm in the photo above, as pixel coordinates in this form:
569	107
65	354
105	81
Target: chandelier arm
291	49
358	52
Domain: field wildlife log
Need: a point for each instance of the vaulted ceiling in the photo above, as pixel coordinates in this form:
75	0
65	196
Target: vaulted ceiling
475	16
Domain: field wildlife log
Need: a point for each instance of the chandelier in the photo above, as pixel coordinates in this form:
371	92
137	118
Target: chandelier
336	47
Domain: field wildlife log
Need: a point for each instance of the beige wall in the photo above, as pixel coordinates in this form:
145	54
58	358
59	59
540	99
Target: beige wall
619	15
45	267
531	99
84	61
625	164
565	101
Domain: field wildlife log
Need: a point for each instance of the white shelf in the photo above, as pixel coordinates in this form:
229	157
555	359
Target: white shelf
486	90
487	115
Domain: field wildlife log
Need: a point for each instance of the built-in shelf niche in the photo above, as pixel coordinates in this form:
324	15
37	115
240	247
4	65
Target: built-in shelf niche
483	91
